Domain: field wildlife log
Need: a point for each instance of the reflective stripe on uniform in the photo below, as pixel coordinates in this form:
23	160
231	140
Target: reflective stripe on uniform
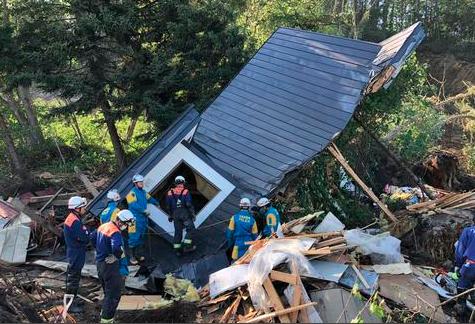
187	241
235	253
177	246
271	220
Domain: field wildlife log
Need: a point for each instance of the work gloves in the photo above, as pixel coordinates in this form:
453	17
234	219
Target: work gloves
111	259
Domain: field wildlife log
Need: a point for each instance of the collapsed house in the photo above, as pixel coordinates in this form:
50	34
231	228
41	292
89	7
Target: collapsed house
293	97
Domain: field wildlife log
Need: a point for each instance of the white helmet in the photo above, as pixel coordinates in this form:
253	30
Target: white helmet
113	195
263	202
76	202
125	216
179	179
138	178
245	202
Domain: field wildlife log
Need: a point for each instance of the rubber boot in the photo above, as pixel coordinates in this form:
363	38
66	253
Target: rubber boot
187	248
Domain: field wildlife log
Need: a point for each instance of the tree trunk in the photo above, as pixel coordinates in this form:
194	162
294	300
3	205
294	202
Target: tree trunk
131	129
15	159
5	11
9	101
77	129
24	94
113	133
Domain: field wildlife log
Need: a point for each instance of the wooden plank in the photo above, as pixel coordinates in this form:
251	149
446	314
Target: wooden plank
284	277
323	251
339	157
279	313
334	241
312	235
137	302
50	200
231	310
275	299
42	199
88	184
297	297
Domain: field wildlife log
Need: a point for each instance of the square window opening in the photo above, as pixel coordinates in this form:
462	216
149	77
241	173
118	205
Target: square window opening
201	190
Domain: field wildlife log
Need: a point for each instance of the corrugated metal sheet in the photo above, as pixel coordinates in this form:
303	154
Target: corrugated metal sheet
284	107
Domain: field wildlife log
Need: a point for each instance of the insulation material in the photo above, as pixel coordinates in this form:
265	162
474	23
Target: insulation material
330	224
13	244
180	289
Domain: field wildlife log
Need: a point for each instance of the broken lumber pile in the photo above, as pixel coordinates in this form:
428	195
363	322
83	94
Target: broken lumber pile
286	278
449	202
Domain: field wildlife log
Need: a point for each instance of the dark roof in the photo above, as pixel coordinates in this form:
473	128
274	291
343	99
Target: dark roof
169	138
291	99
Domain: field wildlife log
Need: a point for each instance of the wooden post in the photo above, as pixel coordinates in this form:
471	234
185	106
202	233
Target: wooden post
339	157
398	161
275	299
88	184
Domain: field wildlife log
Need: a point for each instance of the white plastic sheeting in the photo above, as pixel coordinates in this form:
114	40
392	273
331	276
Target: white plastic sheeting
271	255
382	248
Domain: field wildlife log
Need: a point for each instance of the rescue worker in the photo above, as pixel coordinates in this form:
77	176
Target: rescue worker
109	250
182	214
76	237
271	217
465	264
137	200
110	214
242	228
112	209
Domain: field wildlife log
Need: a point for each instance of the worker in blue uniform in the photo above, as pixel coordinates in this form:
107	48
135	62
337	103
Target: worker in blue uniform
182	213
110	214
137	200
242	228
109	251
112	209
465	263
76	237
271	217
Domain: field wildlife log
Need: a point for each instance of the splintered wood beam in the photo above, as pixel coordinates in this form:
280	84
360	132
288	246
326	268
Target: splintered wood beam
275	299
87	183
279	313
333	149
284	277
297	297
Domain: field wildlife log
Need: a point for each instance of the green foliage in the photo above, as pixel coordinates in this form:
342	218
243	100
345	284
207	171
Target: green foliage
318	191
403	110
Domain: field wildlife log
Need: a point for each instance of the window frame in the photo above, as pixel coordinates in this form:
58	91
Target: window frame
177	155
